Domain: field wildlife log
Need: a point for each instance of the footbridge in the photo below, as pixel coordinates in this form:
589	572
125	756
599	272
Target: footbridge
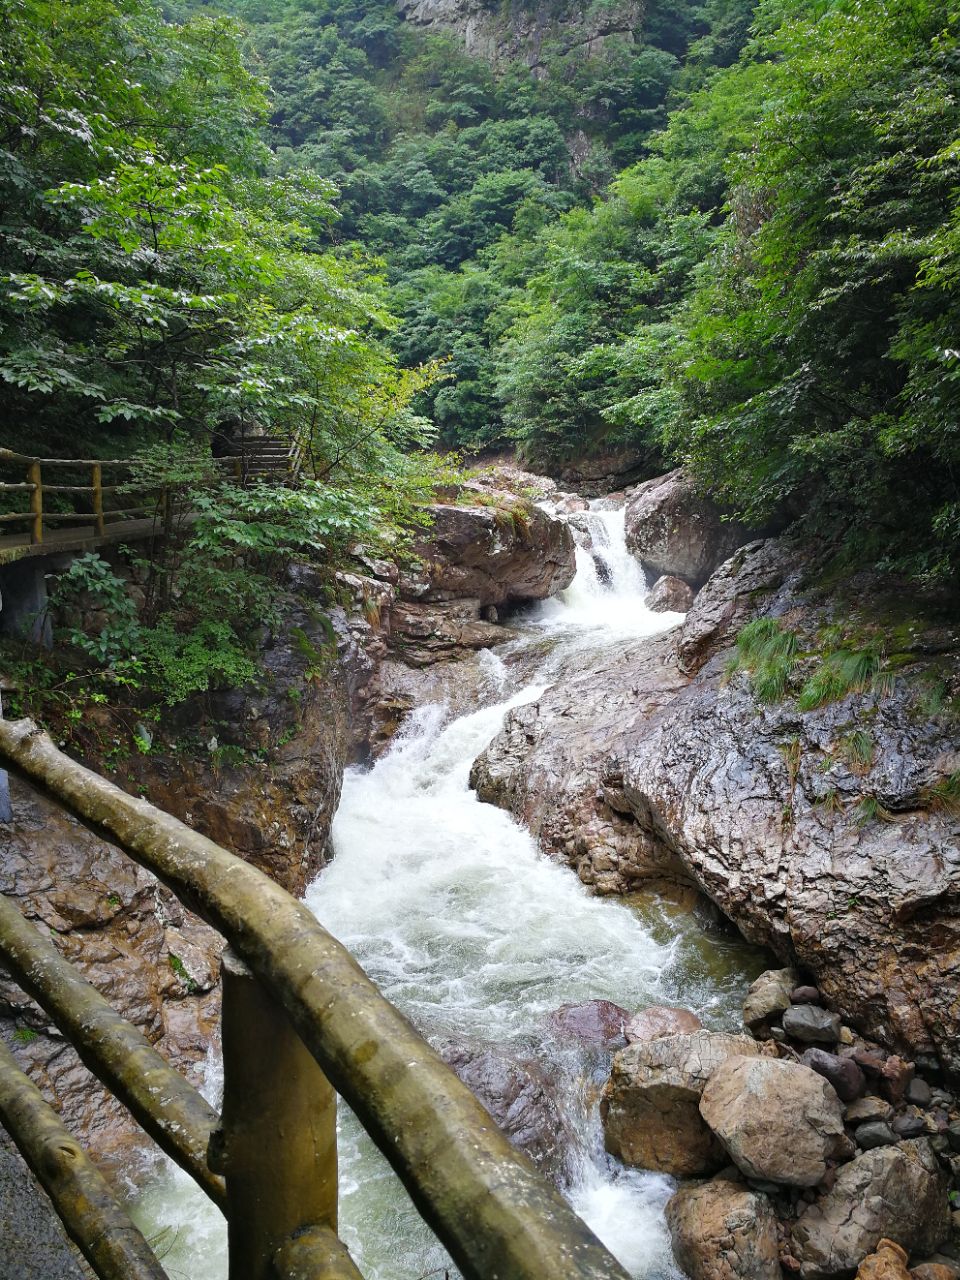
301	1024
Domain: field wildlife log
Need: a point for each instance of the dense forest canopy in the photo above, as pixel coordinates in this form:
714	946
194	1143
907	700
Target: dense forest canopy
731	241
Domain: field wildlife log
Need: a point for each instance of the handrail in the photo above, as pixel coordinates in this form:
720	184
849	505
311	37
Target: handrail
174	1114
89	1210
495	1213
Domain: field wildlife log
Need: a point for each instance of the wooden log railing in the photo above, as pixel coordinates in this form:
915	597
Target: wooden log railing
40	475
302	1022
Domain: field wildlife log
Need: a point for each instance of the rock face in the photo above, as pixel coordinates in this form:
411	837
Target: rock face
779	1121
650	1104
896	1192
519	1098
501	35
721	1230
673	531
653	761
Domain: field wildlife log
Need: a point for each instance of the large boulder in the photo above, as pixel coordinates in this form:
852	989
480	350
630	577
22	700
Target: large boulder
779	1121
592	1022
657	1021
505	553
650	1104
673	530
721	1230
670	595
520	1099
896	1192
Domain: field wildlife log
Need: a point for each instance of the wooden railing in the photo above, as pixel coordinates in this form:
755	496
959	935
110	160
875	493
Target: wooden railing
40	478
302	1022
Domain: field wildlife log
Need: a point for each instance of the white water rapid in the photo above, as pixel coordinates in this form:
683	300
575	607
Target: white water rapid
450	908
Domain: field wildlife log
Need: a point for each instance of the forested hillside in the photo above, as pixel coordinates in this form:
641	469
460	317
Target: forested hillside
730	239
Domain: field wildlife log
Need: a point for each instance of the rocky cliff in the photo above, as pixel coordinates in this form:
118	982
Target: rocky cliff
813	793
522	30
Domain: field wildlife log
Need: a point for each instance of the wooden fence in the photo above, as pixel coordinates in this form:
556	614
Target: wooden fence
301	1023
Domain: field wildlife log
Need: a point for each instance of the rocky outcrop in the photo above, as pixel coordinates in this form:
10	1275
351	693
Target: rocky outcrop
650	1104
779	1121
721	1230
896	1192
517	32
660	758
675	531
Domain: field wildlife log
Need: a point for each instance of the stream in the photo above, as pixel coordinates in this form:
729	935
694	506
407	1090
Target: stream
452	911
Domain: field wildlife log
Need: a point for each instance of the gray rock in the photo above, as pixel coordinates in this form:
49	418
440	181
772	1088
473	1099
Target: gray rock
909	1126
811	1024
34	1246
805	995
875	1133
843	1073
767	998
669	595
919	1093
651	1104
778	1120
722	1230
896	1192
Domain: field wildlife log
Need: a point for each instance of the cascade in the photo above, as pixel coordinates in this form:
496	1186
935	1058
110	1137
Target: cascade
478	938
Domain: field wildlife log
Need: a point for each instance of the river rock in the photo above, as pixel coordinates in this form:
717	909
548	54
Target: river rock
779	1121
875	1133
669	595
918	1093
810	1023
520	1099
889	1262
895	1078
657	1021
674	530
945	1269
869	1108
909	1126
805	995
721	1230
767	998
505	553
650	1104
843	1073
593	1022
896	1192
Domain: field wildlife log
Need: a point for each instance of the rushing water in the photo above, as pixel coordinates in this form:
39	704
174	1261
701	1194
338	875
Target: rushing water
450	908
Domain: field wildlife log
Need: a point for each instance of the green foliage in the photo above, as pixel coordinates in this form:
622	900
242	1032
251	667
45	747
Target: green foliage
944	794
858	749
768	653
841	672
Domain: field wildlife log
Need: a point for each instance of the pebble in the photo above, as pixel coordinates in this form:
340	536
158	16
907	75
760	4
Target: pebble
875	1133
811	1024
908	1126
846	1035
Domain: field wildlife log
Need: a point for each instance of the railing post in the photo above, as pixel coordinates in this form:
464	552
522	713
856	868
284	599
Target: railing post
96	482
278	1148
36	502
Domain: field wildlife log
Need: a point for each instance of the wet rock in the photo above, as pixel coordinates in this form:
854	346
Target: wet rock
896	1192
779	1121
593	1022
918	1092
869	1108
811	1024
875	1133
650	1104
889	1262
670	595
721	1230
657	1021
767	998
805	995
519	1098
35	1246
675	531
843	1073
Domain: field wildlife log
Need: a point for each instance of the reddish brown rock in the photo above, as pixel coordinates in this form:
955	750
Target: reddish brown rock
593	1022
657	1021
888	1262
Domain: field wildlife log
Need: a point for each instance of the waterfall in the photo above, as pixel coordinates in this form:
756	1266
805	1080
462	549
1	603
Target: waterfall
478	938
